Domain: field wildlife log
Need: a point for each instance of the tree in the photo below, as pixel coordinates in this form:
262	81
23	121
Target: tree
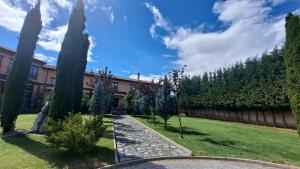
136	102
15	85
79	75
128	101
97	102
101	100
165	102
174	82
144	106
292	60
67	64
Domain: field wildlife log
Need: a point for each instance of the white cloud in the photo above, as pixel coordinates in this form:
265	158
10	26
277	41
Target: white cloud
51	39
109	13
250	30
159	20
92	46
49	59
11	16
149	78
125	71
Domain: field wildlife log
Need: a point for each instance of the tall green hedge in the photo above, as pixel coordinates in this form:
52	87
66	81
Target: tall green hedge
292	60
67	64
14	91
256	84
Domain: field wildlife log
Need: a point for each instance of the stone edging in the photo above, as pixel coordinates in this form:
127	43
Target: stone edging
115	143
164	137
136	162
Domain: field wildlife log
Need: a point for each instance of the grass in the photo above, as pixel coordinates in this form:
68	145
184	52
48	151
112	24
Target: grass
216	138
32	151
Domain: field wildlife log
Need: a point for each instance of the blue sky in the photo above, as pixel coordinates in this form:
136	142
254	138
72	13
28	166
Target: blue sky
152	37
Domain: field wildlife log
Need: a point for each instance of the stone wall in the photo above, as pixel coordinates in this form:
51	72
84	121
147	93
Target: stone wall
282	119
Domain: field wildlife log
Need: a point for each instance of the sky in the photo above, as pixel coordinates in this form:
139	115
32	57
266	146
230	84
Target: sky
152	37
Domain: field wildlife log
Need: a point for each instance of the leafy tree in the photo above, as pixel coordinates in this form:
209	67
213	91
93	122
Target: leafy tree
71	50
128	101
292	60
165	102
136	102
174	81
144	106
15	85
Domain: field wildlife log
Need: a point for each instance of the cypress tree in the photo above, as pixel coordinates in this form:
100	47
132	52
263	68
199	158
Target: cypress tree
292	60
79	75
14	91
67	64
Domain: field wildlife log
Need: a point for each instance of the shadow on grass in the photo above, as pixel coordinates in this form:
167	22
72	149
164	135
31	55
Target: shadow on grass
60	158
185	131
226	143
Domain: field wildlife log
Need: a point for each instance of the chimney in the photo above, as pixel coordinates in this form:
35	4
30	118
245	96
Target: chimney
138	76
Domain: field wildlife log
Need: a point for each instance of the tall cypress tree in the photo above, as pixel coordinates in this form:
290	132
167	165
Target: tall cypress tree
15	85
292	60
79	74
67	64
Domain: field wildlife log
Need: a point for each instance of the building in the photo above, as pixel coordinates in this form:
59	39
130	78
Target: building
41	81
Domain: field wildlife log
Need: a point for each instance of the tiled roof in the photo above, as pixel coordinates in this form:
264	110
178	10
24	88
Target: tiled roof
52	67
14	52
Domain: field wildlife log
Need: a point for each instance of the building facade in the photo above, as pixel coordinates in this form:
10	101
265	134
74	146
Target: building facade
41	80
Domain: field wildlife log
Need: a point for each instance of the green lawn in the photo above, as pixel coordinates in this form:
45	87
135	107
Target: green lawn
217	138
32	151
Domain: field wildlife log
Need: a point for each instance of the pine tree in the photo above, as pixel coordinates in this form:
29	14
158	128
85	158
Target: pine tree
15	85
71	49
292	60
79	76
97	102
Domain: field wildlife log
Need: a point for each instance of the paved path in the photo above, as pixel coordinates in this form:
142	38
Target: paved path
135	141
199	164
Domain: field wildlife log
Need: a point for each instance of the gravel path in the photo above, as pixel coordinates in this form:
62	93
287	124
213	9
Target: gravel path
198	164
134	141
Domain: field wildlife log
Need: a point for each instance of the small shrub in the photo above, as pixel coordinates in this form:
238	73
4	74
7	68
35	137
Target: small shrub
74	133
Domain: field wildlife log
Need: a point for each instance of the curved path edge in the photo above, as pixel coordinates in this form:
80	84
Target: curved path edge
136	162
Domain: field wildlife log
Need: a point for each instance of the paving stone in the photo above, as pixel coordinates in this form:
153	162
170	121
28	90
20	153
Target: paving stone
134	141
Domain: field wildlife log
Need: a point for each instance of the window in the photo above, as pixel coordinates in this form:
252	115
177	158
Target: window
33	72
53	80
115	86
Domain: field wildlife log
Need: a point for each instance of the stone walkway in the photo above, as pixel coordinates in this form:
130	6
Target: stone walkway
201	164
135	141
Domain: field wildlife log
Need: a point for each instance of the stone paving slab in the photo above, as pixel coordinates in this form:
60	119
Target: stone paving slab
199	164
135	141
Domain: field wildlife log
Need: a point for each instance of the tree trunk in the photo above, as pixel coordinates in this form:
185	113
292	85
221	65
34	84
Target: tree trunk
249	119
257	121
265	120
284	120
274	118
41	119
